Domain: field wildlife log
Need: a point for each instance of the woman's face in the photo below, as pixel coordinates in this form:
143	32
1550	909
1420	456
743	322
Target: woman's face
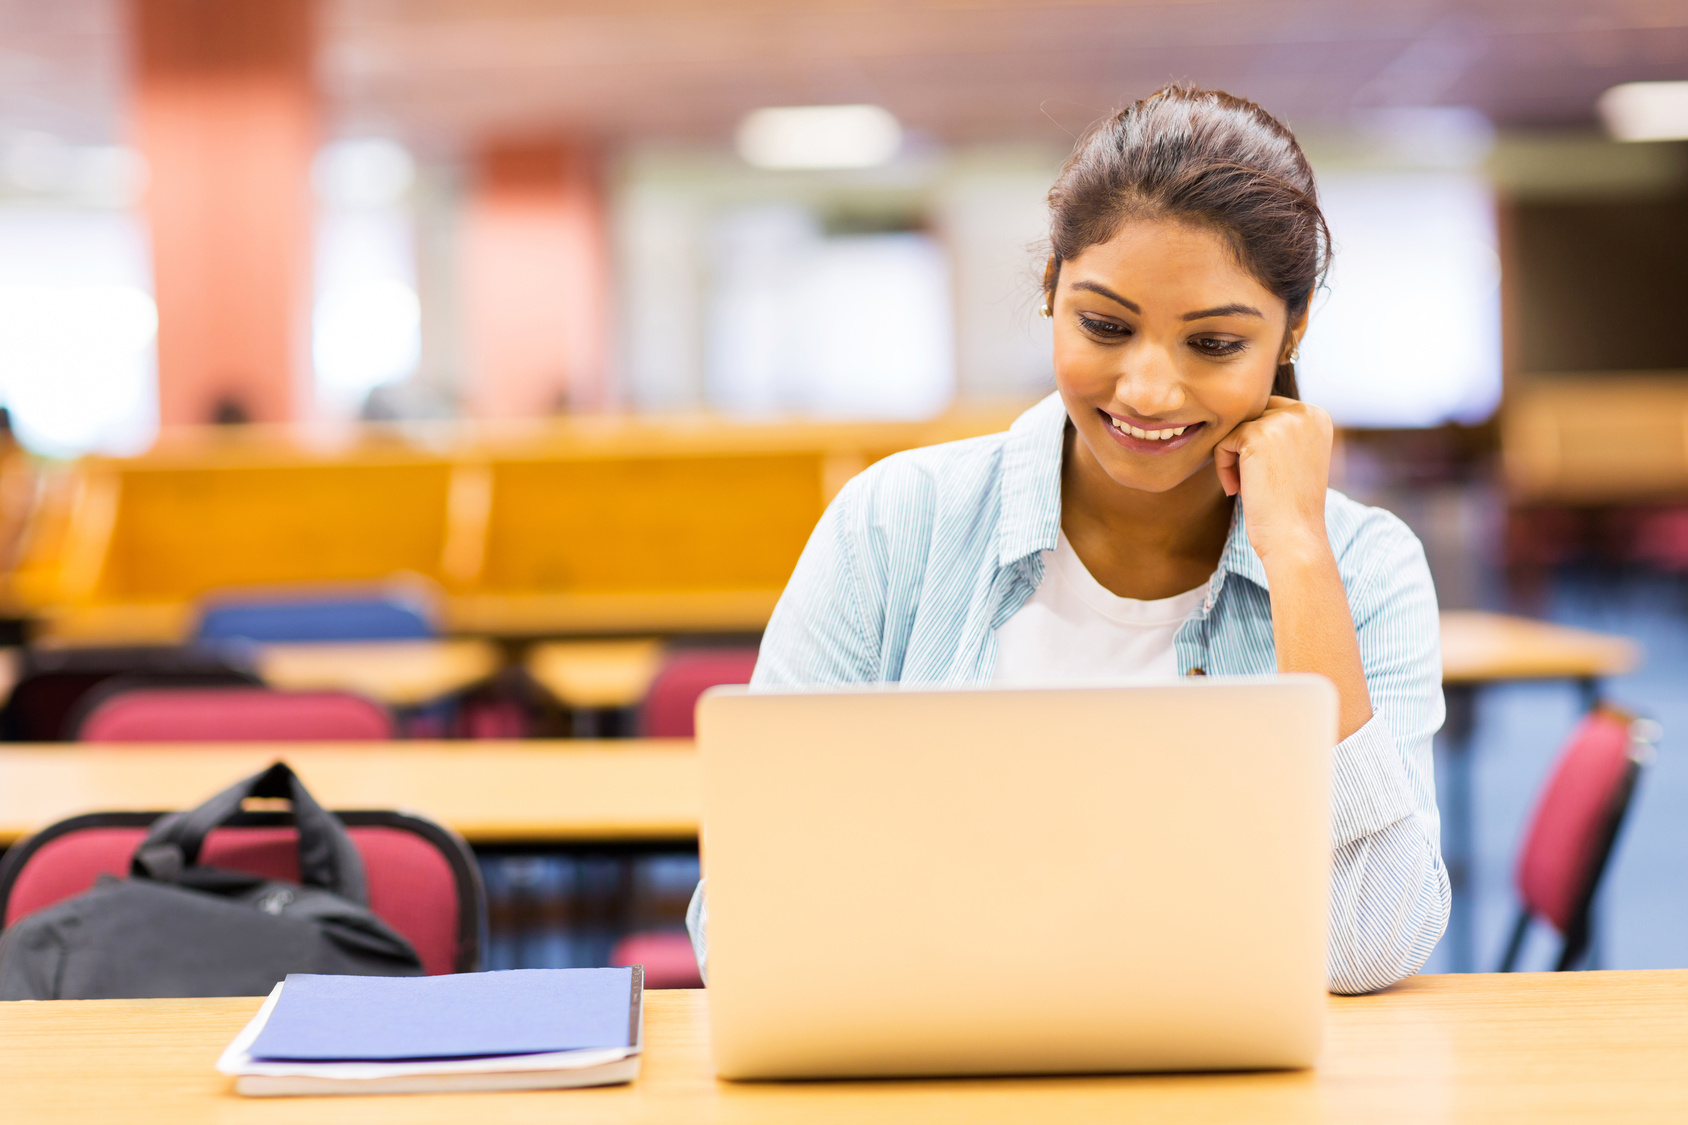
1163	345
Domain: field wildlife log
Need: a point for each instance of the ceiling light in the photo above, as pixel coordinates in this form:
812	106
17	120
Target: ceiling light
819	136
1646	111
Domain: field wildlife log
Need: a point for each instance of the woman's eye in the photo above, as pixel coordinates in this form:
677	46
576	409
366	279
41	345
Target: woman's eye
1103	327
1213	346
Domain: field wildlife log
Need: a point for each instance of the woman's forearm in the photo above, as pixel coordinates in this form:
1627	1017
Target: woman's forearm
1388	907
1313	628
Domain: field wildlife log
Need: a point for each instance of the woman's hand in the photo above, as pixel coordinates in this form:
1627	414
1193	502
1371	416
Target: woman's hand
1280	463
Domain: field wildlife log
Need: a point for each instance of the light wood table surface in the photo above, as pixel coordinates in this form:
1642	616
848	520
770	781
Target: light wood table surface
1538	1048
398	673
596	674
529	791
497	615
675	611
1484	647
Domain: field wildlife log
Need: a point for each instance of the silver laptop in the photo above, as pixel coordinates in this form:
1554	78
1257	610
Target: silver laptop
1017	881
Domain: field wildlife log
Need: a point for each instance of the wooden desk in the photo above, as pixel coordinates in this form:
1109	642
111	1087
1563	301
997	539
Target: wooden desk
650	611
496	615
490	792
1486	648
1541	1048
596	674
581	526
398	673
1553	452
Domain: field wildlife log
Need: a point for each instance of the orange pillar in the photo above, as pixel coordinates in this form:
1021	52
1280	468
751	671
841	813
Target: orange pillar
225	114
536	282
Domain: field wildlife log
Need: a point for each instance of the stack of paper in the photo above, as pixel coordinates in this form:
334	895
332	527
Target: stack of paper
523	1029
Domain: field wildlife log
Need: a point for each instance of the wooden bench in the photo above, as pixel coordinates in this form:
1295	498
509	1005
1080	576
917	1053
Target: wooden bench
583	526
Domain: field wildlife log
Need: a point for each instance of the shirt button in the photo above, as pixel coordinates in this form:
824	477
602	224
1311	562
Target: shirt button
1196	672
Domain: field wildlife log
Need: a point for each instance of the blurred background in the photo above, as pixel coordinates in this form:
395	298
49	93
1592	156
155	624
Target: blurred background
484	298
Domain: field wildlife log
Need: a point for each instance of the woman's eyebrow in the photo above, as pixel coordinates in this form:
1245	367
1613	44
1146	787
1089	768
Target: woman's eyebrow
1224	310
1096	287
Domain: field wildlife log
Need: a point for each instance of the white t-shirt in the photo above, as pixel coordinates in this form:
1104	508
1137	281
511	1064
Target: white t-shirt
1073	630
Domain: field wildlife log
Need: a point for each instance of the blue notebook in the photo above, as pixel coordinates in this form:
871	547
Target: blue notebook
468	1015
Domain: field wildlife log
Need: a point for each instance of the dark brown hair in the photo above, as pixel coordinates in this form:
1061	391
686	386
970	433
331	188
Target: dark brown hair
1199	156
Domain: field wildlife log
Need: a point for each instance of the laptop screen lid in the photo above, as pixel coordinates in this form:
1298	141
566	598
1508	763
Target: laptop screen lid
1017	881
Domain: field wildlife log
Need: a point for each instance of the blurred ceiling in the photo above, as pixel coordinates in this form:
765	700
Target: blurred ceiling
442	74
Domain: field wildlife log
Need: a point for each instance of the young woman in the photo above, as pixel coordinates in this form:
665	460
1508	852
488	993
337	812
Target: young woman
1166	511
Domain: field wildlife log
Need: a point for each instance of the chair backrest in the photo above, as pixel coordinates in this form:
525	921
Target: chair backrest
667	956
671	704
370	617
422	877
53	682
1577	817
233	714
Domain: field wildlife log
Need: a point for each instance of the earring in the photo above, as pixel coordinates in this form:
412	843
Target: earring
1045	311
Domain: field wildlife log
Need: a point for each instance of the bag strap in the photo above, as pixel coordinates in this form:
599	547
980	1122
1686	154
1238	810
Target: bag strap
327	856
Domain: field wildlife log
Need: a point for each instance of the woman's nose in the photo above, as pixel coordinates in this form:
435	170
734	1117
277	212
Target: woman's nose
1150	384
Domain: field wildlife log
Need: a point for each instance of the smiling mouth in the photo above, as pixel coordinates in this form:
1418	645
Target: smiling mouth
1166	435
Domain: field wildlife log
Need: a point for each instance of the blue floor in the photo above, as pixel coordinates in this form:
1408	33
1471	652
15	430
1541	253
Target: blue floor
1643	912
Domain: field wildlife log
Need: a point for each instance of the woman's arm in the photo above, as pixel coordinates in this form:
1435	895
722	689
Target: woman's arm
1389	888
1280	463
825	629
1313	629
1379	645
822	632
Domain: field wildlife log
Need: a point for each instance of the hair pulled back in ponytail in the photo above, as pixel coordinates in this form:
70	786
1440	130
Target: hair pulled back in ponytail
1205	157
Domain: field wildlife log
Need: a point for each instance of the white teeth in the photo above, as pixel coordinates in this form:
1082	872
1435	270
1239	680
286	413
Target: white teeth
1148	435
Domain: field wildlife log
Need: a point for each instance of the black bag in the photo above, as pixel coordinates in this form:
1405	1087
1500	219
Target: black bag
174	928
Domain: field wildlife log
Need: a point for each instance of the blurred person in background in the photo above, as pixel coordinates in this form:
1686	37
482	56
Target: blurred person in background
1166	512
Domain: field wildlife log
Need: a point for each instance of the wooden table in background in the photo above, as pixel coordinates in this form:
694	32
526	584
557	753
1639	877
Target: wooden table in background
397	673
519	792
1541	1048
596	675
538	792
1485	648
1479	648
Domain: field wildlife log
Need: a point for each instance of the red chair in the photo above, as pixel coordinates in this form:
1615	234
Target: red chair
1575	825
232	714
422	877
669	712
672	701
667	956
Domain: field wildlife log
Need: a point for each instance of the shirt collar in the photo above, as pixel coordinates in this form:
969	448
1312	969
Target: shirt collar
1029	520
1030	517
1239	557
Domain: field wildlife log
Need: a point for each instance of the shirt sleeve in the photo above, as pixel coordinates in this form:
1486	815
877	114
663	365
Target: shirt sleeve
818	634
697	925
1389	888
821	630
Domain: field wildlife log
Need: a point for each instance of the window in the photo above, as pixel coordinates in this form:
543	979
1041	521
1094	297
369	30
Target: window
78	362
1408	333
847	325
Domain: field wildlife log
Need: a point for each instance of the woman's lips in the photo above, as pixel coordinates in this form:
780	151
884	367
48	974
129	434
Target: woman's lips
1152	445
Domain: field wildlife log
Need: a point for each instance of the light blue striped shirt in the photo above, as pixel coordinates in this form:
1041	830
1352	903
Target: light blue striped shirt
920	559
